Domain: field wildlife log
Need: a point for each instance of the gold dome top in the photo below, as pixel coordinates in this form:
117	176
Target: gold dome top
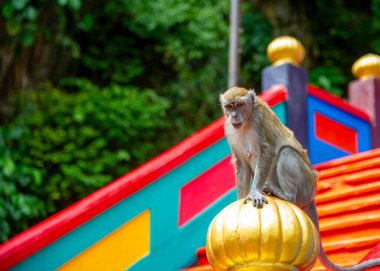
367	66
286	49
277	237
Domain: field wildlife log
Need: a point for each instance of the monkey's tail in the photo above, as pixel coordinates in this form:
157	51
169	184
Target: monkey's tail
311	210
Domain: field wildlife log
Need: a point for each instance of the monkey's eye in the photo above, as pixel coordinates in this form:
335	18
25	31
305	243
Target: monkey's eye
228	106
239	105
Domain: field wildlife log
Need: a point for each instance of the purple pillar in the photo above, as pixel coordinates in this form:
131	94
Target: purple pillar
365	94
295	80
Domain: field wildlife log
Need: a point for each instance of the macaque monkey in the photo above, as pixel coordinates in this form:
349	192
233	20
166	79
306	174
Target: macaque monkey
268	158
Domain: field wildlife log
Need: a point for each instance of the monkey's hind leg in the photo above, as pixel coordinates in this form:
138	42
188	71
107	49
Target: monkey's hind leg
289	175
272	187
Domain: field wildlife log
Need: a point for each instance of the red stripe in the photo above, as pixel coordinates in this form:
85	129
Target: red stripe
337	102
35	238
335	133
201	192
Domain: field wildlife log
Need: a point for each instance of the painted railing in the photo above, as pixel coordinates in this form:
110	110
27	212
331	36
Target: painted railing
334	127
157	215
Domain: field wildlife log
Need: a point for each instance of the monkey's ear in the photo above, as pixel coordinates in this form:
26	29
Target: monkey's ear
252	94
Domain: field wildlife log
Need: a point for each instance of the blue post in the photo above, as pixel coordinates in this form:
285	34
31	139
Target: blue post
287	53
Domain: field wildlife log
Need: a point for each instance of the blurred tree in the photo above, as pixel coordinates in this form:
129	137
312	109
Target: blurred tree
63	146
177	47
257	34
164	44
35	42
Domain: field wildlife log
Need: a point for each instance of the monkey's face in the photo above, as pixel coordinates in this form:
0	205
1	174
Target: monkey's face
237	112
237	105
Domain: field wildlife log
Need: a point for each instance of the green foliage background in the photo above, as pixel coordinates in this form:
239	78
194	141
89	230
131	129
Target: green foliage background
90	90
63	145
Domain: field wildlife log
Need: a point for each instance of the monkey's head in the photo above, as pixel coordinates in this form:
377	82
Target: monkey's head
237	104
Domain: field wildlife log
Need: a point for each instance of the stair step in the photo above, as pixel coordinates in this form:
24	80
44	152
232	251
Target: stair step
348	191
350	220
348	206
368	175
344	169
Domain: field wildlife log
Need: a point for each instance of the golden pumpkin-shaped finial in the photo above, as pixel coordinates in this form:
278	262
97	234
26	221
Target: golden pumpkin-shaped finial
277	237
367	66
286	49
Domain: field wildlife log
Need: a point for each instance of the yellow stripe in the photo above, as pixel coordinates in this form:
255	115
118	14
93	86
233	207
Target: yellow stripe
117	251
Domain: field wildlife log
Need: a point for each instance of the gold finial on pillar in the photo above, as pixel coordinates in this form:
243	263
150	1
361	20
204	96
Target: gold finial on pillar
278	237
367	66
286	49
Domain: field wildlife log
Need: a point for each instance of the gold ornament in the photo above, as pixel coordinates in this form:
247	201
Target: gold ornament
286	49
277	237
367	66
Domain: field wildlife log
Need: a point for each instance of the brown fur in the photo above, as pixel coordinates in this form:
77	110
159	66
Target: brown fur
234	93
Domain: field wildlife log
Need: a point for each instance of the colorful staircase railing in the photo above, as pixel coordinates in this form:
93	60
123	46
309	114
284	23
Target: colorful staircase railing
335	128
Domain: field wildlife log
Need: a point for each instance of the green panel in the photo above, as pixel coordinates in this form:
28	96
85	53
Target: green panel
280	111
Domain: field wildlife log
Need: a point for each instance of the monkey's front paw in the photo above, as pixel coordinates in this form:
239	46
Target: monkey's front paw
257	199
